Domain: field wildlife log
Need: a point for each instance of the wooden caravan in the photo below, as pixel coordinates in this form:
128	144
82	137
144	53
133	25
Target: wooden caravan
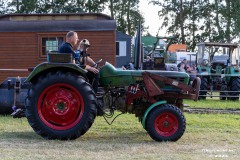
25	39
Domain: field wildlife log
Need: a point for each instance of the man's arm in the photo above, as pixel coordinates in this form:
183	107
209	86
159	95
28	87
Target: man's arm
92	69
90	61
90	66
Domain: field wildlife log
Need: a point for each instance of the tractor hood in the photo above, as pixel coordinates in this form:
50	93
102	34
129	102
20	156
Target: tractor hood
110	76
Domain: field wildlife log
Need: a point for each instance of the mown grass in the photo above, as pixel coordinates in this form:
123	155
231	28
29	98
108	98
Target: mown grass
206	137
213	103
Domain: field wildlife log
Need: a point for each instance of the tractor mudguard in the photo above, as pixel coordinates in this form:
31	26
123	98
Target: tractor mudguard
46	66
232	72
149	109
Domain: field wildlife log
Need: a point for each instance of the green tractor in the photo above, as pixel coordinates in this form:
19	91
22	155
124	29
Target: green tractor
218	68
61	104
162	59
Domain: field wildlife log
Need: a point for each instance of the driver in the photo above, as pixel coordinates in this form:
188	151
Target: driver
89	64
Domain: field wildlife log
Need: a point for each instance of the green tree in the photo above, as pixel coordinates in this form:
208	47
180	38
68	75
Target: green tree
192	25
127	15
23	6
3	8
236	18
201	20
174	14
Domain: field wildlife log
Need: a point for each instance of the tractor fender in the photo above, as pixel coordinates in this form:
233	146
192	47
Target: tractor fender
46	67
149	109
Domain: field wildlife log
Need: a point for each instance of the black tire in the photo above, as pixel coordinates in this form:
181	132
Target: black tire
61	106
165	123
223	95
203	88
235	86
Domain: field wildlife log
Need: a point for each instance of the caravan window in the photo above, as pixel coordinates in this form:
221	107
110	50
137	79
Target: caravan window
48	44
121	49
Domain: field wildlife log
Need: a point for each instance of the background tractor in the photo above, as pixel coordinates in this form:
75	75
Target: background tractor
218	68
164	54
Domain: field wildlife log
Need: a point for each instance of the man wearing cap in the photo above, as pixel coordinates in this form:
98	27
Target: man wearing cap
88	63
71	41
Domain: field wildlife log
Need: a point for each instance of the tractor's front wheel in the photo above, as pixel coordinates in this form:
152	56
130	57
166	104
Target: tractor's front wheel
223	93
61	106
235	89
203	88
165	123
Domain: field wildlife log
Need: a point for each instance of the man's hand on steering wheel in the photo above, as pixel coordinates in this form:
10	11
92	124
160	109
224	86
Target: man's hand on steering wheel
96	64
92	69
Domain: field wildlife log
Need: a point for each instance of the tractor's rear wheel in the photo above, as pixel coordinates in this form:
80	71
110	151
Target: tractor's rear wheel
235	88
61	106
203	88
165	123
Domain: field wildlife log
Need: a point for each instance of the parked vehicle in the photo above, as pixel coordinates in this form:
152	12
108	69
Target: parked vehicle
218	68
163	55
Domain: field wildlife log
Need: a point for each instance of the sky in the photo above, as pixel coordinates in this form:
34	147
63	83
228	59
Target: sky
150	13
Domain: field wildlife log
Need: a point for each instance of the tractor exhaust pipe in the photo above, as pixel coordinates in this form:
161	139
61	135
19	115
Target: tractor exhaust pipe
138	51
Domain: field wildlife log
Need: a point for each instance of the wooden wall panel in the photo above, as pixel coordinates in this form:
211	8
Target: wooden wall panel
20	50
103	45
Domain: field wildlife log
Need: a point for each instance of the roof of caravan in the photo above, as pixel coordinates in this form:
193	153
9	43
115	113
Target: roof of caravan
56	22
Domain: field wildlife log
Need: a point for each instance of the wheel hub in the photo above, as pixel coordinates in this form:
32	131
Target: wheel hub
166	124
61	106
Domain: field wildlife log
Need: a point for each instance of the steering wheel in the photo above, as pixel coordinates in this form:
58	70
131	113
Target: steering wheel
96	63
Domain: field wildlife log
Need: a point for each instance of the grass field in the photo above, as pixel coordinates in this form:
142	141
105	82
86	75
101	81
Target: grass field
213	136
213	103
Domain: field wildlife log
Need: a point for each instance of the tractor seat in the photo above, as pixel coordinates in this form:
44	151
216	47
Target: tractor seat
159	63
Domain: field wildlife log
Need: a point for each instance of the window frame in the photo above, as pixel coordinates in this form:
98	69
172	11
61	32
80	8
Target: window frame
122	48
47	35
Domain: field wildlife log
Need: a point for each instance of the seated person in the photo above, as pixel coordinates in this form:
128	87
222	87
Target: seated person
86	61
71	41
182	65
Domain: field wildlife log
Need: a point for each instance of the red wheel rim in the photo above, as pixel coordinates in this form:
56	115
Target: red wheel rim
166	124
60	106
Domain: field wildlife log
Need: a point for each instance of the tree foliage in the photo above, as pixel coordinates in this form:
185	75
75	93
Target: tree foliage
127	15
3	7
201	20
